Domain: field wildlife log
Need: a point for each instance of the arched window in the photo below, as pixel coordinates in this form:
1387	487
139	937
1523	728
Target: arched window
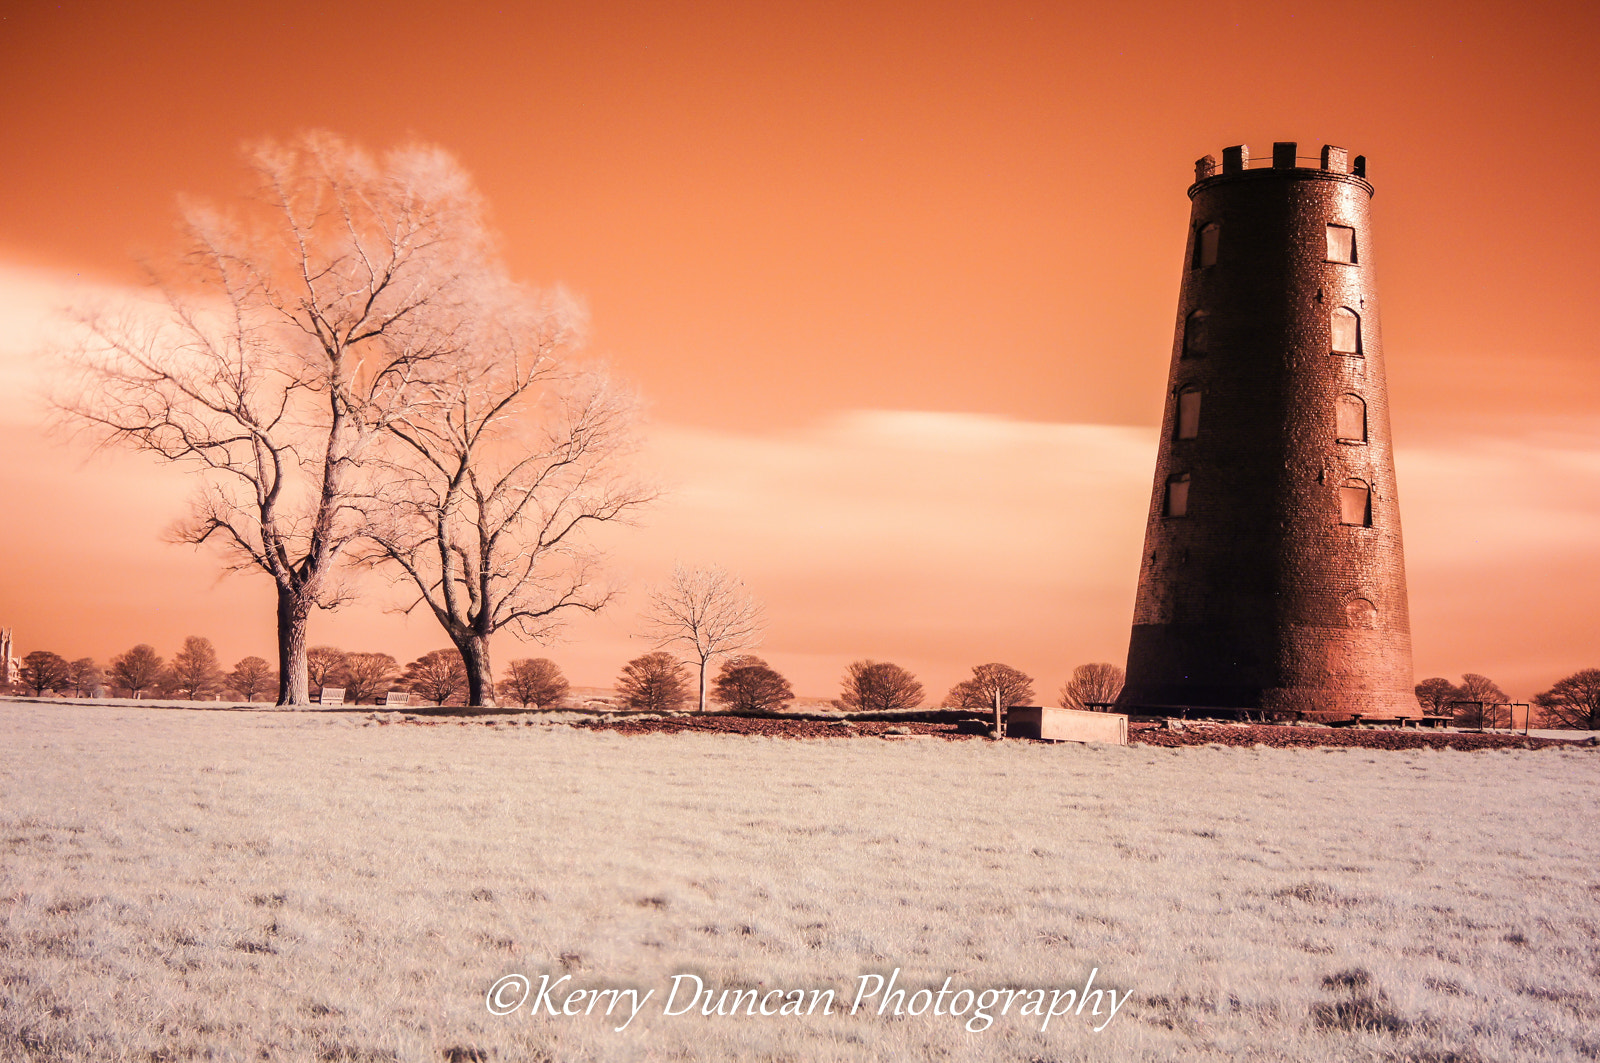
1196	335
1205	245
1346	329
1189	413
1341	243
1350	419
1361	613
1177	502
1355	503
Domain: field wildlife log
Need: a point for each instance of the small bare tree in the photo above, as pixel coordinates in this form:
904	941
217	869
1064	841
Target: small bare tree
325	666
996	686
437	675
283	344
657	682
1091	684
43	670
85	677
747	684
367	675
1493	705
537	682
878	686
1435	695
251	676
137	670
194	671
707	611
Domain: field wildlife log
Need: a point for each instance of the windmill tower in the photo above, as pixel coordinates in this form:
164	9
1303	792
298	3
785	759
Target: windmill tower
1273	575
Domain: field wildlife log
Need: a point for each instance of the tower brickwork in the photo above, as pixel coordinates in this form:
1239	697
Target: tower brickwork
1273	575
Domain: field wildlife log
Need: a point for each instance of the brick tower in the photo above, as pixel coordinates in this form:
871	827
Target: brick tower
1273	576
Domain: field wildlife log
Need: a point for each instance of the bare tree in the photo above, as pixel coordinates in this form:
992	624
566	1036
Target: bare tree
367	675
285	341
137	670
194	671
1489	698
873	686
325	666
484	504
996	686
537	682
1435	695
1091	684
43	670
249	677
1573	701
746	684
706	610
437	675
657	681
85	677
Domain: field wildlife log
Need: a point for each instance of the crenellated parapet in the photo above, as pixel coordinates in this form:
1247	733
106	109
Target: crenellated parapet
1333	164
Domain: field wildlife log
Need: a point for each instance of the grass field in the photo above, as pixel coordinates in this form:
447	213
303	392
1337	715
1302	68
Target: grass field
240	886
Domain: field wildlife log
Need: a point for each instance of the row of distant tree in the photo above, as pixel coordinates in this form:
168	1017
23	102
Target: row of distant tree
656	681
1570	702
661	682
196	674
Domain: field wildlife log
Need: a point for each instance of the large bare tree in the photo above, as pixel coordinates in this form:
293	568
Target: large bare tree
486	498
279	345
708	612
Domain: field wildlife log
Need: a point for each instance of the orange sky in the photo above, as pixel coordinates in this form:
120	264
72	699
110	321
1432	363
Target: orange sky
898	282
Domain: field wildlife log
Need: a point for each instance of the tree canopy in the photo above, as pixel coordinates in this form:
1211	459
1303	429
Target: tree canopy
537	682
874	686
1573	701
1091	684
747	684
657	681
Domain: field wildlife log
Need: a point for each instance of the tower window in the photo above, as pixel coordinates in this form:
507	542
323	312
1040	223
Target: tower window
1196	335
1341	243
1205	246
1355	503
1177	502
1189	413
1346	329
1350	419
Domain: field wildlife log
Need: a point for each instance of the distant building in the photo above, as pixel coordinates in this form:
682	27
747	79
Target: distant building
1273	575
10	667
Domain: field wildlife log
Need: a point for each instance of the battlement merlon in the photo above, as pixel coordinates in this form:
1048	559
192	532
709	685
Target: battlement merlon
1334	164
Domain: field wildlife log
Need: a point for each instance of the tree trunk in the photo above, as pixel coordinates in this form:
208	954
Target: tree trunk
703	662
292	683
999	724
480	676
